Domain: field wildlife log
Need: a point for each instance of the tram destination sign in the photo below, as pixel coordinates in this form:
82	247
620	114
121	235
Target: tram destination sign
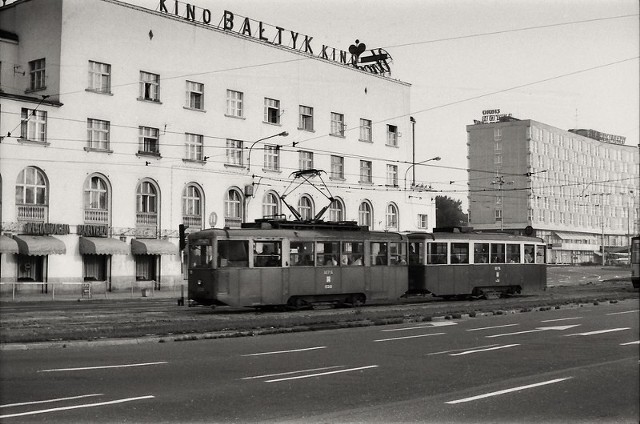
376	63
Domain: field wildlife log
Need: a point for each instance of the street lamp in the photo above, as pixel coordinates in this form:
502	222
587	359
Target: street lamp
414	164
282	134
500	182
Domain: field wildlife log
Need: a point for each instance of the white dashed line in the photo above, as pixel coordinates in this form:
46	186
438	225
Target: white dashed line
409	337
144	364
502	392
66	408
286	351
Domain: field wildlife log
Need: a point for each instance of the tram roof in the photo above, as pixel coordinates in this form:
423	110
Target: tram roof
472	236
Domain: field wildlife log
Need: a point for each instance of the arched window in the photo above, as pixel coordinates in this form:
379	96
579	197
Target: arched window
32	195
96	200
233	208
305	207
147	204
336	210
392	216
365	214
270	205
192	206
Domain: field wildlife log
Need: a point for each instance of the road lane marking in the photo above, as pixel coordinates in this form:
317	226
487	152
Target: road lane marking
409	337
285	351
461	350
630	343
502	392
10	405
489	328
292	372
483	350
321	374
561	319
591	333
624	312
143	364
66	408
430	325
556	328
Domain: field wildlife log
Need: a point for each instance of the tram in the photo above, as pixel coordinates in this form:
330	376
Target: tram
459	264
635	261
297	264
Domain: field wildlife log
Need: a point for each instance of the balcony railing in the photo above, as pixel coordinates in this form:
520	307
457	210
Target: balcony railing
32	213
192	221
147	219
232	222
96	216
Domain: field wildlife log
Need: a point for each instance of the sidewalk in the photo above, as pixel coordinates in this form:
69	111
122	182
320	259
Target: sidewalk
52	294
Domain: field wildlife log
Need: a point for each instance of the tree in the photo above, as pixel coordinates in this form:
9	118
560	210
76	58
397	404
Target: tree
449	212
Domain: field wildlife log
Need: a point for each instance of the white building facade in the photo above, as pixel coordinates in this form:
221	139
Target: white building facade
120	123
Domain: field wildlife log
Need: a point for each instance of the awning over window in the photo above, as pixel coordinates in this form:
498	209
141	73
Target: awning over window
39	245
576	236
153	247
8	245
102	246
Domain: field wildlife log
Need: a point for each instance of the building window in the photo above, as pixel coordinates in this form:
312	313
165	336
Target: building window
149	86
271	111
365	171
392	135
193	147
233	209
192	206
365	214
95	267
270	205
306	118
99	77
146	204
392	216
97	134
337	124
96	200
32	195
149	141
497	134
195	95
423	221
306	160
336	210
337	167
497	159
146	267
392	175
34	125
37	74
365	130
498	215
305	208
234	103
234	152
271	157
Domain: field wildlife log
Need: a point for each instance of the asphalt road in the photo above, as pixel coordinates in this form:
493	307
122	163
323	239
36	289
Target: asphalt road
574	364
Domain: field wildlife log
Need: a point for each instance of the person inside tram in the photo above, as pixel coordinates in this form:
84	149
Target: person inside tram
528	258
357	260
332	261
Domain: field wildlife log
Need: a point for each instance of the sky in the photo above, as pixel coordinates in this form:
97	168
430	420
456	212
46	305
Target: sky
566	63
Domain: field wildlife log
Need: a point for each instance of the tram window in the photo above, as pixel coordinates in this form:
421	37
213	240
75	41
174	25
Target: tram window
459	253
200	253
267	253
398	253
416	250
541	254
481	253
302	253
513	253
497	253
233	253
352	253
436	253
378	253
528	253
327	253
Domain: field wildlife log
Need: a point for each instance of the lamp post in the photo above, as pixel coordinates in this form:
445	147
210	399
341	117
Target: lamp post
282	134
500	182
414	175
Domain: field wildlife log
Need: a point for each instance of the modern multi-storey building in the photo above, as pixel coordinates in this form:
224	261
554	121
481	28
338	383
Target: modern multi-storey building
576	189
120	123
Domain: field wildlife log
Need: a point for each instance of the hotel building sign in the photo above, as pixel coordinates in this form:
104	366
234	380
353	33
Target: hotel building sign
377	63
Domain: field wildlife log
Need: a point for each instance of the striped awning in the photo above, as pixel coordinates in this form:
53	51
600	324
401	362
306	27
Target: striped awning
39	245
102	246
153	247
8	245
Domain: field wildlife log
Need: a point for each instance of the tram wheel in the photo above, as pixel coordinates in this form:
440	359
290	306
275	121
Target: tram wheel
297	303
357	300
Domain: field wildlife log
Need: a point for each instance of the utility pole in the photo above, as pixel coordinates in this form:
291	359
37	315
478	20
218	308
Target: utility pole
499	181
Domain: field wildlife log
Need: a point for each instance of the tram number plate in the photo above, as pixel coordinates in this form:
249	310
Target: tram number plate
328	286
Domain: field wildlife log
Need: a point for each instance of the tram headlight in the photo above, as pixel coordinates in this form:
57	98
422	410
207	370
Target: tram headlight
199	282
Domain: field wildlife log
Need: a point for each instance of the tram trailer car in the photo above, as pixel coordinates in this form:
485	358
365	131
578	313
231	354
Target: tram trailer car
284	263
460	264
635	261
